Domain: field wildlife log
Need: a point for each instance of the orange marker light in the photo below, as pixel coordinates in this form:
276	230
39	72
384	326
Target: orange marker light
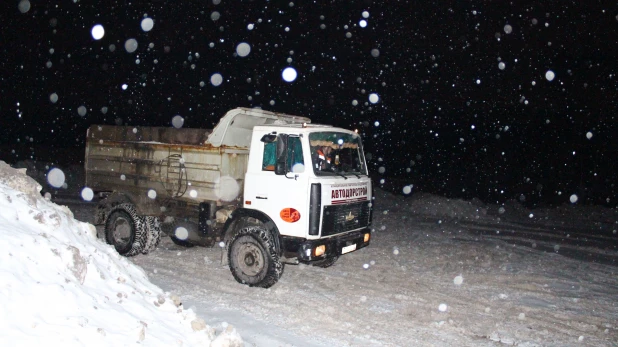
289	215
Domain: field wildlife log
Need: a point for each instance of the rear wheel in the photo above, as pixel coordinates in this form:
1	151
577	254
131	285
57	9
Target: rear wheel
253	257
125	230
153	234
180	242
179	232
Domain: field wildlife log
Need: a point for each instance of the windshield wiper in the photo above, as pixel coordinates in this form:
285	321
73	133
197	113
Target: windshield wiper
340	174
357	174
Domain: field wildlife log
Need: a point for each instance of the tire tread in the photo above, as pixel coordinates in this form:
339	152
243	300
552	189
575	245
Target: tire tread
264	237
153	233
140	237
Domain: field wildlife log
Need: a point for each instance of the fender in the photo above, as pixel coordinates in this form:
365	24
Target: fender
241	213
106	205
143	204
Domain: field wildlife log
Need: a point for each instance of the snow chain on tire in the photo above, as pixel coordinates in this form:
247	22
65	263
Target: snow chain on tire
153	233
253	257
137	232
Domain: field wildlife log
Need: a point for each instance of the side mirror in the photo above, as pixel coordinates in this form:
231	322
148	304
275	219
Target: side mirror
280	168
282	155
269	138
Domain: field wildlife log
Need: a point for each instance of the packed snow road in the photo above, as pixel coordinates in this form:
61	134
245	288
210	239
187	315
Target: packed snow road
438	272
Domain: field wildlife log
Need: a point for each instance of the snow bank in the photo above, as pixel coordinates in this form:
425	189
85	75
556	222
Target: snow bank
60	284
437	206
434	206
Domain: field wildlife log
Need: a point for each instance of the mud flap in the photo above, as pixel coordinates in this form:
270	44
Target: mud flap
224	259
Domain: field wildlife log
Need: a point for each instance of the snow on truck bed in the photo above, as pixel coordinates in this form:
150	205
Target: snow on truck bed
59	284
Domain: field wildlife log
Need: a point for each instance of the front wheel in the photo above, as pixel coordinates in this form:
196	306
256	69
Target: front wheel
253	257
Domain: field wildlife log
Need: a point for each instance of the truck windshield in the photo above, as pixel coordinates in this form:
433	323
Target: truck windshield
337	153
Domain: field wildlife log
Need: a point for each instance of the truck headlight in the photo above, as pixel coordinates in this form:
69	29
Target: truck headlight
320	250
366	239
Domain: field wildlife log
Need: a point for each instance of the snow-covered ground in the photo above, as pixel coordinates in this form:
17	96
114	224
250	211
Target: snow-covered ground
59	284
439	272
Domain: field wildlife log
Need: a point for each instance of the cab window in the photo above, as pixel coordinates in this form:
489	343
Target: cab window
295	155
270	158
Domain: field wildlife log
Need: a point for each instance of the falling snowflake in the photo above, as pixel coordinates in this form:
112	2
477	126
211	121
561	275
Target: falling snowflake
216	79
407	189
243	49
23	6
177	122
289	74
97	32
374	98
147	24
181	233
130	45
55	177
87	194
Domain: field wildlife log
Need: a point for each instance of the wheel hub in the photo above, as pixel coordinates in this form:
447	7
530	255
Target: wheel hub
122	231
250	259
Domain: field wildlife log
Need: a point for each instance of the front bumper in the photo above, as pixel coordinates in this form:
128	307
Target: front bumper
335	246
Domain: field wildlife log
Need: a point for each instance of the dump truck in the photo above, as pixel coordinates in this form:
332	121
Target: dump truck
269	188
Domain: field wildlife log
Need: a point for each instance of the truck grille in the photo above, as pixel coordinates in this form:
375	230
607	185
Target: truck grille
341	218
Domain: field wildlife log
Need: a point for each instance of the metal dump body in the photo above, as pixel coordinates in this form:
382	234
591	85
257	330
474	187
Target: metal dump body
193	165
176	163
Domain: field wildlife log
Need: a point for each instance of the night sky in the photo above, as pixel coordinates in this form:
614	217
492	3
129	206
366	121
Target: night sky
467	106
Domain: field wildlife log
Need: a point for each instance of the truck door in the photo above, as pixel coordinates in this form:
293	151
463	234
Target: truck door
280	188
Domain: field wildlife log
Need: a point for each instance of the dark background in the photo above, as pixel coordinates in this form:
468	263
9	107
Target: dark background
514	135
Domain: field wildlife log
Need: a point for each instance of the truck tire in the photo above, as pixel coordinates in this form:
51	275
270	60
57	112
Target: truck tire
181	243
190	228
153	233
253	257
125	230
326	262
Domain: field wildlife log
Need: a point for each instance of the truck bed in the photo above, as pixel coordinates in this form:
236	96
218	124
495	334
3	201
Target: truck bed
176	163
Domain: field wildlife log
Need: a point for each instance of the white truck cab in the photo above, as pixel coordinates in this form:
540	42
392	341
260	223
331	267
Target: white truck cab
312	181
